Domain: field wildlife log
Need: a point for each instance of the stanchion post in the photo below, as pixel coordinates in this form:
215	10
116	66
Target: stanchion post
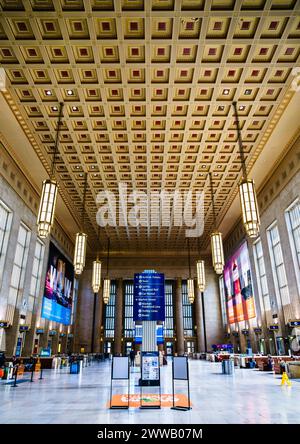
32	371
16	375
41	372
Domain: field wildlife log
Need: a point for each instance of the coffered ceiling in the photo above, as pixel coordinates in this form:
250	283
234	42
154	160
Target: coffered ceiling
147	88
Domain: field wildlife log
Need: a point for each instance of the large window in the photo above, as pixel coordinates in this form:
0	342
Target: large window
278	268
128	310
261	275
292	215
187	312
5	225
36	275
223	300
110	312
19	266
169	314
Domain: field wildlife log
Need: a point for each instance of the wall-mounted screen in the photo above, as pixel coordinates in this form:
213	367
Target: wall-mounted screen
238	286
58	292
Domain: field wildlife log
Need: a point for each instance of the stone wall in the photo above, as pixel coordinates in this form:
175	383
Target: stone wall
22	200
276	195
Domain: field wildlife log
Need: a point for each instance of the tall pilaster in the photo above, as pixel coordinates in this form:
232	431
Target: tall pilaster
179	318
98	322
199	322
119	317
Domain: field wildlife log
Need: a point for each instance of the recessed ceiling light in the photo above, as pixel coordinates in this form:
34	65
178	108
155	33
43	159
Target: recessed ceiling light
77	167
74	108
225	92
221	108
248	92
54	108
203	166
70	92
80	175
242	107
48	92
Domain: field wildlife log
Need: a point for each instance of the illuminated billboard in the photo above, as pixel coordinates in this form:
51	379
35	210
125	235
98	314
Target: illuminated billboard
58	291
238	286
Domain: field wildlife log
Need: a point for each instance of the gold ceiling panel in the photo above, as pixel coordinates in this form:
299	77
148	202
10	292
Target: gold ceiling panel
148	87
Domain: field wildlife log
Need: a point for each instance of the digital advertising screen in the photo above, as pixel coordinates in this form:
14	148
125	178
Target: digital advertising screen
58	291
238	286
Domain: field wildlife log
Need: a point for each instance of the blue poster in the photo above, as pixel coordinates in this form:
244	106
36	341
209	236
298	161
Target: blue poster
149	296
58	292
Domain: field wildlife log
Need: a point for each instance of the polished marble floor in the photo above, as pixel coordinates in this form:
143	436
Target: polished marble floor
247	397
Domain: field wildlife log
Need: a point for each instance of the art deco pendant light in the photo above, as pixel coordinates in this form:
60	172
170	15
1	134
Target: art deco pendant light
96	277
190	281
216	239
250	213
200	272
46	212
106	283
81	239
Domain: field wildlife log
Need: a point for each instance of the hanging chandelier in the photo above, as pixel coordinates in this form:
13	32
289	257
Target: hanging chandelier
190	289
96	277
216	239
190	281
249	206
46	212
217	251
106	283
96	280
200	275
81	240
106	290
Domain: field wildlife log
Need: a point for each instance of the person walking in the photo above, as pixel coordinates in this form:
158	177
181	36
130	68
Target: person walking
132	356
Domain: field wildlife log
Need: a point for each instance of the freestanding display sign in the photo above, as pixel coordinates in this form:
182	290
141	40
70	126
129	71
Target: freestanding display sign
120	371
181	373
150	376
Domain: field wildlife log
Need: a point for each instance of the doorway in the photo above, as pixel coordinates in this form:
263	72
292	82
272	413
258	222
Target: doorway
169	348
108	348
262	346
128	348
280	346
272	347
190	347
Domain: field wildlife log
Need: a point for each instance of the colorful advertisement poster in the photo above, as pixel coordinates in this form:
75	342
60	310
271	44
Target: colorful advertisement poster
238	286
150	366
58	292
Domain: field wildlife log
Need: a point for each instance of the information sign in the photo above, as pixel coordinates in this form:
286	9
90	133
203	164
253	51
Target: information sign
149	296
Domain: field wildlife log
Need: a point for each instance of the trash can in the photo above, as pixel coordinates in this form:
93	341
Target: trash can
75	367
227	367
